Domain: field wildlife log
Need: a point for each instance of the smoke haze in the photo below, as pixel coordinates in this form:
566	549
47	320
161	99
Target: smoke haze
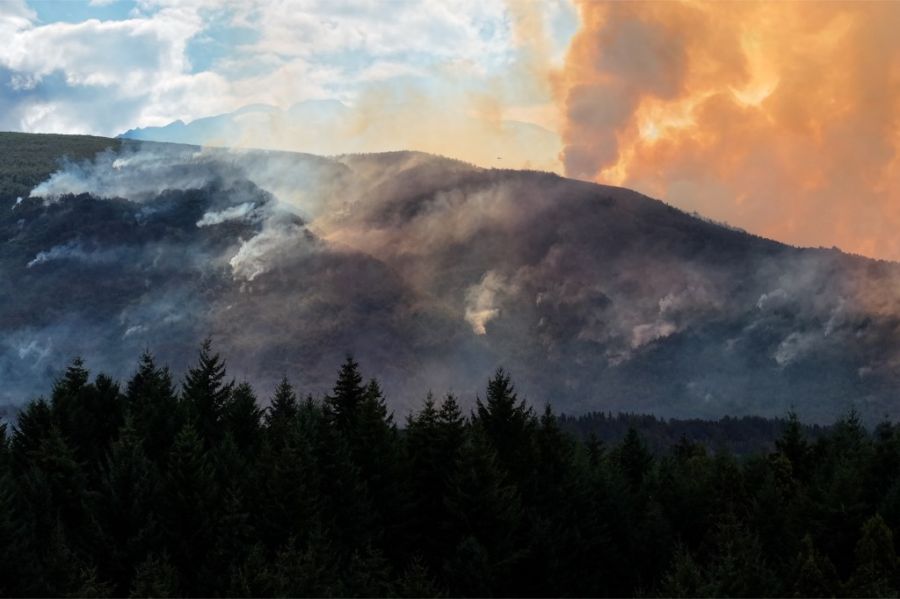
433	272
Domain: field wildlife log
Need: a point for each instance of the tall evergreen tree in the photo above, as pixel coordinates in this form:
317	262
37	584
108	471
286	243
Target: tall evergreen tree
634	459
32	427
88	415
793	445
281	412
205	393
485	513
152	406
508	424
243	419
125	509
342	405
190	507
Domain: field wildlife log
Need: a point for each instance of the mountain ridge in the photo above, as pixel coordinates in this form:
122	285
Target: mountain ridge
435	272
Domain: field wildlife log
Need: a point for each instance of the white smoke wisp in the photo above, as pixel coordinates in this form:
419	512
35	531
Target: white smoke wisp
277	244
133	172
484	299
217	217
73	251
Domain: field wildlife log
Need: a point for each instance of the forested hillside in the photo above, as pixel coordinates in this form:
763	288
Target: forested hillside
187	488
434	272
26	159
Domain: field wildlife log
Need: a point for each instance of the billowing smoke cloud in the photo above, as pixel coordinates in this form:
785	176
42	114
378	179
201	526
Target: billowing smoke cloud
777	117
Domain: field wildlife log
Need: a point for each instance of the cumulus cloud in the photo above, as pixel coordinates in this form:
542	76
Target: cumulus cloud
456	78
102	76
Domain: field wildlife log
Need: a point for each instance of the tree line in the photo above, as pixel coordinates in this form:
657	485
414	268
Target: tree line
192	489
741	436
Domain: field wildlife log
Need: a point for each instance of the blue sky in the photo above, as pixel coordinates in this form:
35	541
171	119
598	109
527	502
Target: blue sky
103	66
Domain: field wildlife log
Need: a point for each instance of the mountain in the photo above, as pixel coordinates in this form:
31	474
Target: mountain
229	128
328	127
433	273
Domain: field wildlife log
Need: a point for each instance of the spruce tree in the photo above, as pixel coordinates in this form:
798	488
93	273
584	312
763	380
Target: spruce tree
793	445
32	427
125	510
243	419
281	412
88	415
634	459
342	405
152	406
508	424
190	508
205	393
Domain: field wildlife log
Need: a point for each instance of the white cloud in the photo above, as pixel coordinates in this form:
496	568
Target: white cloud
184	60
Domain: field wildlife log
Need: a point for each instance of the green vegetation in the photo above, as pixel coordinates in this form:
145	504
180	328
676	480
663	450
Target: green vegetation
150	490
27	159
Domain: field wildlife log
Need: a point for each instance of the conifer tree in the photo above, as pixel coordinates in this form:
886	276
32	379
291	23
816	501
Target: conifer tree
793	445
125	509
291	487
205	393
88	415
508	424
190	502
814	574
376	451
32	427
876	561
153	408
634	459
282	411
243	419
484	511
342	405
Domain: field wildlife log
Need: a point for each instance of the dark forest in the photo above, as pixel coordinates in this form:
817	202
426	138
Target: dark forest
189	488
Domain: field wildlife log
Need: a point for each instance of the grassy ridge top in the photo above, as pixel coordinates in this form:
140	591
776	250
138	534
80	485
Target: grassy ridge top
26	159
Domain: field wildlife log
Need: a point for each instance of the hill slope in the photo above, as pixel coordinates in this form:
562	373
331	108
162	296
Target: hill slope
433	272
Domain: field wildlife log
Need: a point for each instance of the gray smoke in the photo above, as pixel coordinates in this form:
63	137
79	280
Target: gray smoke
433	273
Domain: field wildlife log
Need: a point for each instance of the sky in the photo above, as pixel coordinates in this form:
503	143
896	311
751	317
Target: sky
779	118
465	78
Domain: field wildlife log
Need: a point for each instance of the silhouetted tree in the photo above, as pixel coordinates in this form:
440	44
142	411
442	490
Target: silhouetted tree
205	393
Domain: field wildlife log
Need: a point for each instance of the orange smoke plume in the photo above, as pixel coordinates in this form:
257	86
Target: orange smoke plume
782	118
